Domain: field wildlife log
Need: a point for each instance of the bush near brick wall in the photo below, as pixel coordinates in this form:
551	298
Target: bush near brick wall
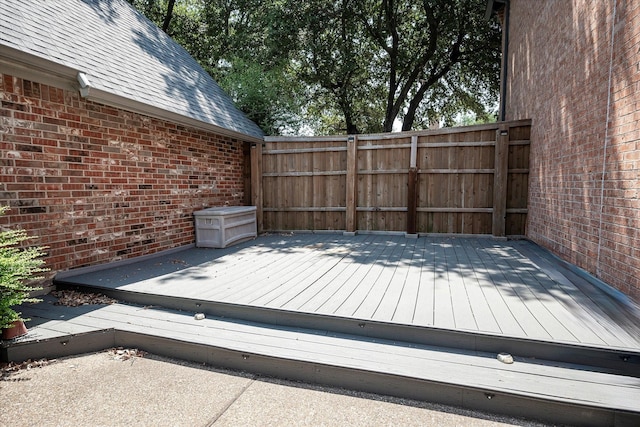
561	54
98	184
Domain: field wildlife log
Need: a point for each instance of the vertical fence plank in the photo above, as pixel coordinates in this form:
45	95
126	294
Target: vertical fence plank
500	181
352	177
256	183
412	190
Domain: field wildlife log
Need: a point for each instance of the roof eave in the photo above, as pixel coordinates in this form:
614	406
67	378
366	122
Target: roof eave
112	100
31	67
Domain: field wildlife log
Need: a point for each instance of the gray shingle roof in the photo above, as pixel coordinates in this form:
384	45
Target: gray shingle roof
122	54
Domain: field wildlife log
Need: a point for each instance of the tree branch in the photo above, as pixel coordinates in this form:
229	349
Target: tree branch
168	16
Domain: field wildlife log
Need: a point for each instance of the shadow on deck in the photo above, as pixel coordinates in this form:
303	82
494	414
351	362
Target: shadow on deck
421	318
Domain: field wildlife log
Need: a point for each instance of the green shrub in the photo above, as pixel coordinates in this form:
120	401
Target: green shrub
18	267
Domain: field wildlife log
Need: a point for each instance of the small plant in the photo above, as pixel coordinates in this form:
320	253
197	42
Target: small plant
18	267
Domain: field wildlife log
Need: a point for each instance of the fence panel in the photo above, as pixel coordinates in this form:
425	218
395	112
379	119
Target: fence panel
303	184
382	169
518	182
455	180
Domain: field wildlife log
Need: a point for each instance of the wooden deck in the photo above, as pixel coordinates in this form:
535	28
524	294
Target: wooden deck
419	318
479	285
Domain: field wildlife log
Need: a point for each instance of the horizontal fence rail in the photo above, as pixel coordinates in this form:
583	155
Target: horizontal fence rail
467	180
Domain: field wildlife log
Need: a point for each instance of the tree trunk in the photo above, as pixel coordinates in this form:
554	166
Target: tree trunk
168	16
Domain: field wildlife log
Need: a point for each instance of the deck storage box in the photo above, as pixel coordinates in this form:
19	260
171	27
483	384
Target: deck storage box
221	227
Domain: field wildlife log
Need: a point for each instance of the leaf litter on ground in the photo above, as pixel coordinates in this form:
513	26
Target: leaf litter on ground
121	353
9	368
72	298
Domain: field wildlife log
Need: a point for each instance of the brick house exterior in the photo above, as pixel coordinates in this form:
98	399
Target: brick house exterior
113	170
573	67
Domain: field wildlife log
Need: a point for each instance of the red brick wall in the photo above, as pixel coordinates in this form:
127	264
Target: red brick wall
584	197
97	184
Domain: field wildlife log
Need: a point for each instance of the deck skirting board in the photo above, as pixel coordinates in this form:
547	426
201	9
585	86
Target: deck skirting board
621	361
477	398
379	383
60	346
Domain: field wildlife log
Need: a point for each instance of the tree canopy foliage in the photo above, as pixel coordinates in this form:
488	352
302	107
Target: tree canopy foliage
336	66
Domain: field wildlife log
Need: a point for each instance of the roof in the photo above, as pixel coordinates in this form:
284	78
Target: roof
127	60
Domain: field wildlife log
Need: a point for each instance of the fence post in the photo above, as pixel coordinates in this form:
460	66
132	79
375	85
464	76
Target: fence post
412	189
500	181
256	183
352	178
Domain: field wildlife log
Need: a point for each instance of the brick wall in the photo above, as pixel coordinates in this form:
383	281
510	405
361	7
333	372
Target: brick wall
97	184
584	197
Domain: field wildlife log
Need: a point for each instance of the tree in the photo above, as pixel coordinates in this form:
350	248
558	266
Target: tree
334	59
154	10
344	65
168	15
265	94
242	44
429	45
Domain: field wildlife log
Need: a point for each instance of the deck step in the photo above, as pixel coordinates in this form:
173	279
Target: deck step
619	360
553	392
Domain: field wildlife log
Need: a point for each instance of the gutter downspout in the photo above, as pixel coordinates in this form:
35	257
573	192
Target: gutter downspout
85	85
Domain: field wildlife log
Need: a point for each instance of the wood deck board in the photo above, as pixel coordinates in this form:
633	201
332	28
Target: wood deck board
475	284
578	313
224	266
252	263
514	293
481	309
416	361
389	301
43	328
531	292
585	308
367	298
267	274
309	298
462	305
486	282
425	301
406	308
118	315
261	289
313	269
215	330
310	341
252	260
347	285
563	324
505	319
281	297
443	315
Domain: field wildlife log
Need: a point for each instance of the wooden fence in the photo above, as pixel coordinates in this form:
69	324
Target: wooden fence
467	180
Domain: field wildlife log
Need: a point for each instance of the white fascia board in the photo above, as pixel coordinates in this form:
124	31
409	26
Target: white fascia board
29	67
